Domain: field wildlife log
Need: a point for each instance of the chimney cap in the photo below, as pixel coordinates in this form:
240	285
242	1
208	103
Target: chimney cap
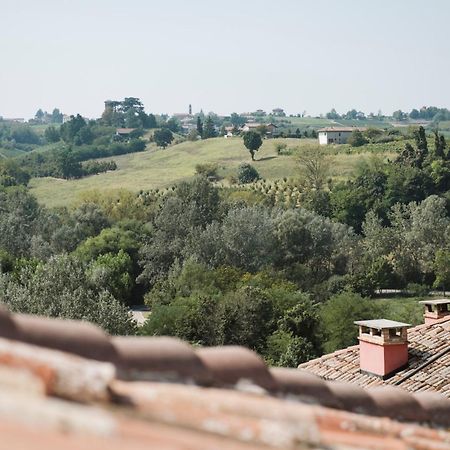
438	301
381	324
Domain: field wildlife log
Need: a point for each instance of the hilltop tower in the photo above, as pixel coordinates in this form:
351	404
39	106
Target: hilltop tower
190	109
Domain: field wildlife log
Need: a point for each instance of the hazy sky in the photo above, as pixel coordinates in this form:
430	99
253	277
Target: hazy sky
235	55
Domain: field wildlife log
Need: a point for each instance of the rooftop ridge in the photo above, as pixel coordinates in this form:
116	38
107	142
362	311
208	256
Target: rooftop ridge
428	369
171	360
437	322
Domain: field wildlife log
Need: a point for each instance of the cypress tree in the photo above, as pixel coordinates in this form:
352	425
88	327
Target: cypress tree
199	126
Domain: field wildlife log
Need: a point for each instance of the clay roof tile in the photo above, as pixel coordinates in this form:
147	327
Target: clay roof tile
80	338
304	386
8	328
231	364
436	406
397	403
353	398
159	358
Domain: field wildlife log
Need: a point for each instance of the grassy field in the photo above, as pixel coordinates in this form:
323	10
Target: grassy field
162	168
10	153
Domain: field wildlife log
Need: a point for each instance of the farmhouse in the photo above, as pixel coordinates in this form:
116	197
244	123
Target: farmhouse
124	132
253	126
336	135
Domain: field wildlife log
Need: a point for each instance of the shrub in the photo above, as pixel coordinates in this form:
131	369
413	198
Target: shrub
356	139
207	169
417	290
280	148
247	174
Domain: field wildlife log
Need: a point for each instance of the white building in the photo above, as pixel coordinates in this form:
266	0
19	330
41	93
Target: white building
336	135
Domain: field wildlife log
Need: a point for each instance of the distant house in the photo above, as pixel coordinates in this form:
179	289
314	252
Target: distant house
253	126
124	132
229	132
336	135
13	119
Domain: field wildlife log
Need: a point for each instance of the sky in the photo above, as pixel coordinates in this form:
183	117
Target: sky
234	55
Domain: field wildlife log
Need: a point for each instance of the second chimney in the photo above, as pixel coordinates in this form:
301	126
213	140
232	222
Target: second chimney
383	347
435	310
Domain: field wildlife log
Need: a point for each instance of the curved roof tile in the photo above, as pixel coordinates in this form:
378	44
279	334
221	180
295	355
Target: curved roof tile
396	403
304	386
169	359
81	338
8	328
156	357
231	364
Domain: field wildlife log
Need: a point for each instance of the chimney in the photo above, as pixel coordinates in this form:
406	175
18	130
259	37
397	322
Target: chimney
383	347
435	310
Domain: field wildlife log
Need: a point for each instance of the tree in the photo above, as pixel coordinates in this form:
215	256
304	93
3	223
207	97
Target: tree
132	119
114	274
148	121
67	165
18	219
70	130
173	125
57	116
333	114
237	120
439	145
399	115
414	114
356	139
421	140
338	315
11	174
193	135
24	134
199	126
442	269
314	166
163	137
253	141
61	288
131	103
247	174
39	116
52	134
209	130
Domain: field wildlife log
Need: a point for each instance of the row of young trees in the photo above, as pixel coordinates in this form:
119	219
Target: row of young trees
431	113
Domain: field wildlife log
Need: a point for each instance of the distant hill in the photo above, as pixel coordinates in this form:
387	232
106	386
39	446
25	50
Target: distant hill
157	168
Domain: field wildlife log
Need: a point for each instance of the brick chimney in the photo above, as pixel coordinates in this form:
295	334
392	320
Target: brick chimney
383	347
435	309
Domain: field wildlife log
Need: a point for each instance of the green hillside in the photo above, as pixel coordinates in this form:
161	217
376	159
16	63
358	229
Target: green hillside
156	168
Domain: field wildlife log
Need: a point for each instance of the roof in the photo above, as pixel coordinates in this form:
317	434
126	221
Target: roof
437	301
257	125
68	385
379	324
428	365
125	130
341	129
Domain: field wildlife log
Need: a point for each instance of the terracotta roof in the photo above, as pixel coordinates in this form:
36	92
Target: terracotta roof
162	393
341	129
428	365
125	130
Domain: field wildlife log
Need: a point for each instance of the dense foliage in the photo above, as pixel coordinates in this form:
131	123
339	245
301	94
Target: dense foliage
231	266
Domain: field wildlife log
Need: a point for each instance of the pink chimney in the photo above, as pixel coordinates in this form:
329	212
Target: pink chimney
383	347
435	310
